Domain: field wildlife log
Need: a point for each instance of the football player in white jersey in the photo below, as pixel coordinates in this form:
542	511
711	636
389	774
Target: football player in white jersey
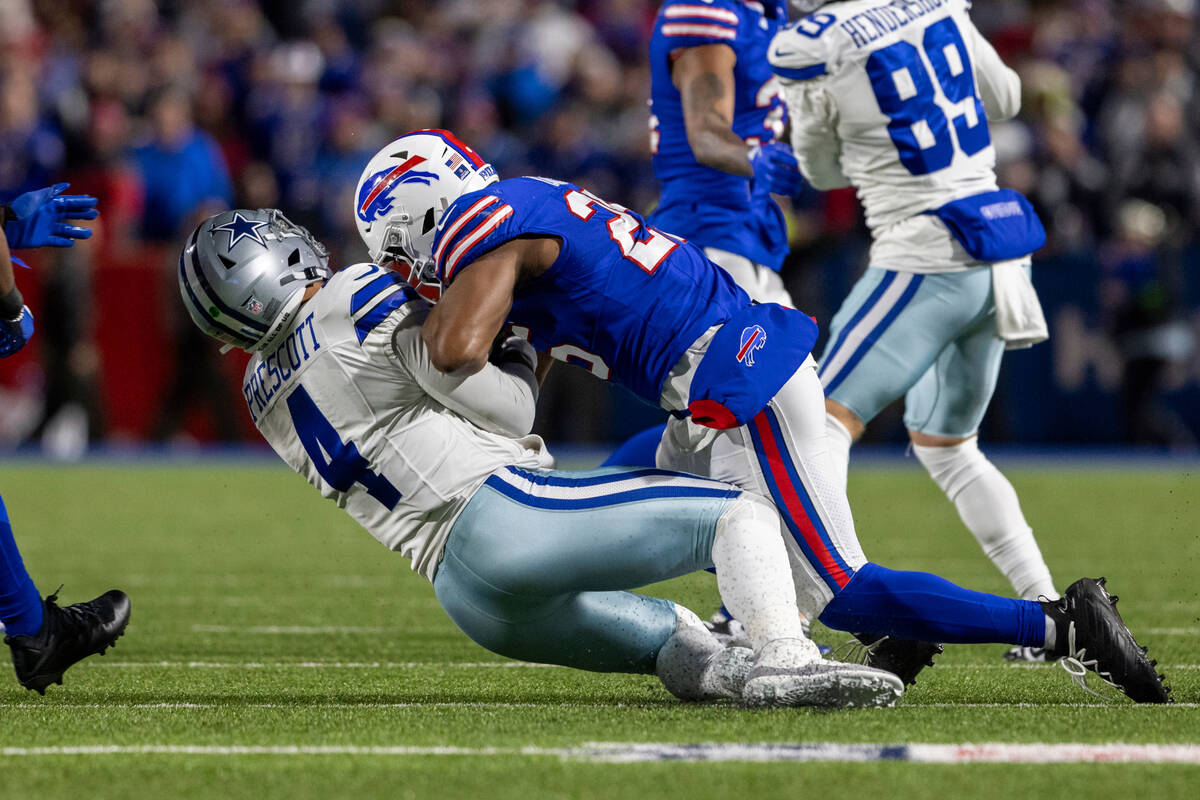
894	99
530	562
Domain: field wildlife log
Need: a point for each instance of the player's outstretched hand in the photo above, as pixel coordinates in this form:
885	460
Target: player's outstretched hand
14	333
775	170
39	218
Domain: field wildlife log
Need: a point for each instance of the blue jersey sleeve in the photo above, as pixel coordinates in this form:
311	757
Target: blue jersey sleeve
692	23
473	225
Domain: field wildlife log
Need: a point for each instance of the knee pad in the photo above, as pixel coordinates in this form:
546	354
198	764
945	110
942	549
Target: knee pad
953	468
752	508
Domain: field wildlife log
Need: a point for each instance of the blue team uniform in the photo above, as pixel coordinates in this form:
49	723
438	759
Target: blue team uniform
627	301
708	207
623	300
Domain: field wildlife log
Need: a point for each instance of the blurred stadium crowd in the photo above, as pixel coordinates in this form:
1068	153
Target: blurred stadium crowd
170	111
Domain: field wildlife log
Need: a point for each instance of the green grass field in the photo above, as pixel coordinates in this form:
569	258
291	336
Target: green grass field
263	617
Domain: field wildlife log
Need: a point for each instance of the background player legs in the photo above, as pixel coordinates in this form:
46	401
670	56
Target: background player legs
943	410
784	454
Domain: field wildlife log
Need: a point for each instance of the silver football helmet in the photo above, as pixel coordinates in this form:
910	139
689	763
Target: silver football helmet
243	273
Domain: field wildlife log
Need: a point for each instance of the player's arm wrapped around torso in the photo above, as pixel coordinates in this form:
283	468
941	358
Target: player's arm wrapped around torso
501	398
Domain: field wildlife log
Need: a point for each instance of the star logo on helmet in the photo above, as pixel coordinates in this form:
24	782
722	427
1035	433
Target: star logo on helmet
240	228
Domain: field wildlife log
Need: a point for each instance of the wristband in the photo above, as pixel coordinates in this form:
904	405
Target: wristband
7	214
11	304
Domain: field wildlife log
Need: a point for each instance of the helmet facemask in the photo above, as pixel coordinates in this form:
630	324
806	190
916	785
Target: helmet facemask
398	253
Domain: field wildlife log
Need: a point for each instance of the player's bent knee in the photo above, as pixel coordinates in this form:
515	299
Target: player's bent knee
952	466
753	512
847	418
931	440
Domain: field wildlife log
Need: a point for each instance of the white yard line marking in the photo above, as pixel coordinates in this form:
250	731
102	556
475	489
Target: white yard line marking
637	752
288	629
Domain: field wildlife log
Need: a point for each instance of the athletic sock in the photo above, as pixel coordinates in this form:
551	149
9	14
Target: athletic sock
925	607
753	574
20	602
839	451
988	506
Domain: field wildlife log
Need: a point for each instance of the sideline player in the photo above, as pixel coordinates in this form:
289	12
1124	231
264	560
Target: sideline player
715	117
528	561
894	99
587	282
45	638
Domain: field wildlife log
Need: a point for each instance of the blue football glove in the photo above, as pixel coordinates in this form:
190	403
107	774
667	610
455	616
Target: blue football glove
38	218
775	170
14	333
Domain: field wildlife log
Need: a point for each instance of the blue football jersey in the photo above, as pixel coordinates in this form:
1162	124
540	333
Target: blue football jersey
622	300
708	207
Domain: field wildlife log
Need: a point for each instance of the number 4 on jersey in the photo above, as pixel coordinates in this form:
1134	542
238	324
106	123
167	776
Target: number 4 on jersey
338	463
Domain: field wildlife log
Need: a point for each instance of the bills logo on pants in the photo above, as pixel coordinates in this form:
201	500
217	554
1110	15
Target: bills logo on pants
753	338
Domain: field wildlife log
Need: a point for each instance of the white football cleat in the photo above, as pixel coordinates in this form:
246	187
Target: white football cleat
817	683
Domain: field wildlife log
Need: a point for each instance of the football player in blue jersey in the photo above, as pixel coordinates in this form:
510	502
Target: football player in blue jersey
716	115
588	282
45	638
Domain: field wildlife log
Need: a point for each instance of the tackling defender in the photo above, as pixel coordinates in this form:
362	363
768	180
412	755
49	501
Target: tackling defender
45	638
529	562
894	99
588	282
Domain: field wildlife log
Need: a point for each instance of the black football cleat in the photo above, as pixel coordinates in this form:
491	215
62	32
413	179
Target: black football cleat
68	634
1089	631
904	658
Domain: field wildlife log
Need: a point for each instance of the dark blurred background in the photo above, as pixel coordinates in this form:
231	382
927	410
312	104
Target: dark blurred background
171	111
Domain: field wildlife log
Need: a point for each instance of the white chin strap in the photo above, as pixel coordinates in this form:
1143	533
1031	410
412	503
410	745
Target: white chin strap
282	323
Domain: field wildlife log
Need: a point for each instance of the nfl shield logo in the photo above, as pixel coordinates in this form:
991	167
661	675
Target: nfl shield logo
254	305
753	338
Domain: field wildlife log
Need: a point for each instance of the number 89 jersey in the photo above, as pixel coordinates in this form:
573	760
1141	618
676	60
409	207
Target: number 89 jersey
623	300
894	98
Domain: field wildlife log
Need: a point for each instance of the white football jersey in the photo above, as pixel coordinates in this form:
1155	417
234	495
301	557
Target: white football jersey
894	98
351	402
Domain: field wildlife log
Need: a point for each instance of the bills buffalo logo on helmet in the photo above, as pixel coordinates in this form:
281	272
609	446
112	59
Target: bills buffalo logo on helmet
754	338
375	197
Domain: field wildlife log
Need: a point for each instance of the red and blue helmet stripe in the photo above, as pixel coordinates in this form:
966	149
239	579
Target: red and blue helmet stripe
455	144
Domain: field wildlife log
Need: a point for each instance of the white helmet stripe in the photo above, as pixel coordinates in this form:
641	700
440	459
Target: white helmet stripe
453	230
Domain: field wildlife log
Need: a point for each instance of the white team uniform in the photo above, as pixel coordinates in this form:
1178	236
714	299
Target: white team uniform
528	561
841	136
432	437
894	98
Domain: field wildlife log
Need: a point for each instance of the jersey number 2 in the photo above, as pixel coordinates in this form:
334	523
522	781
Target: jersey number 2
904	89
339	463
644	246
